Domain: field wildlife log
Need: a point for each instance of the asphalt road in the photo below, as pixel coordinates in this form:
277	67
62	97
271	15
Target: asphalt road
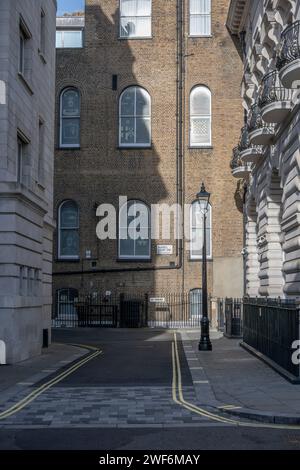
131	382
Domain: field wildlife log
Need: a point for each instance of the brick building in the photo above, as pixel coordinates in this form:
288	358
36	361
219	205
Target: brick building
148	106
268	153
27	88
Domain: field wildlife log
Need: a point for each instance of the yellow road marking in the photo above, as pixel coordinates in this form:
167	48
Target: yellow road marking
229	407
186	404
35	393
174	382
207	414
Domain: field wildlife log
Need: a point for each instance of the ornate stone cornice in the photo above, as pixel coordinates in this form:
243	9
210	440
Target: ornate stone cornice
237	14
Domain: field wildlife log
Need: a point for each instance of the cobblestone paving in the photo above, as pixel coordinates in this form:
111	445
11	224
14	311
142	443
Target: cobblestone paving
104	406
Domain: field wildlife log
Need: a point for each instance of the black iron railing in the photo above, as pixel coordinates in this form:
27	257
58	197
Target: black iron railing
243	145
271	327
236	160
244	142
230	317
255	120
290	45
272	90
179	310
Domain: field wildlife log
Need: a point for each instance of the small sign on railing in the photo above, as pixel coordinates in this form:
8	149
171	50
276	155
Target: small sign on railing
157	300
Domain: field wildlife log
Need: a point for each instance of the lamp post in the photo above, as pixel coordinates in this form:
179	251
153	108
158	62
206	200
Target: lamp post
205	344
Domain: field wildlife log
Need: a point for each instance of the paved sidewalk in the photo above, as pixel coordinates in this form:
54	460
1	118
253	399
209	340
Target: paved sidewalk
231	377
18	379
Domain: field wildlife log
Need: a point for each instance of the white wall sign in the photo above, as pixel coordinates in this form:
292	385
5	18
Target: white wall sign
164	249
157	300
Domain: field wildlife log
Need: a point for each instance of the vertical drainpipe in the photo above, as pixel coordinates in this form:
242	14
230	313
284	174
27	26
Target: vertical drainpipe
244	237
180	124
243	43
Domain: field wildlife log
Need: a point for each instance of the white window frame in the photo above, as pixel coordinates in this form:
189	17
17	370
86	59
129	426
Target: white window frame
199	293
41	153
135	116
24	36
134	257
60	256
192	227
135	16
62	118
201	116
43	33
20	145
63	31
22	39
208	14
71	310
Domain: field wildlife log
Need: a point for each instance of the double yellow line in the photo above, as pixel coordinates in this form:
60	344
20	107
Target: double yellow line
178	398
38	391
177	392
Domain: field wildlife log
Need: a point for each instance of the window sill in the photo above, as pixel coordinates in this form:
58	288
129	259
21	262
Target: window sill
134	260
149	147
67	260
196	36
135	38
69	48
42	57
25	82
208	147
199	260
40	185
68	148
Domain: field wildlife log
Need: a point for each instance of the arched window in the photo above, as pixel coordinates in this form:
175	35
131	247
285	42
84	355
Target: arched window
69	136
68	230
66	312
135	18
200	117
196	225
196	303
135	118
134	231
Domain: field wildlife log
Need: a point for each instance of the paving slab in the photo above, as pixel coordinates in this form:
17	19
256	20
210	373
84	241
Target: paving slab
239	380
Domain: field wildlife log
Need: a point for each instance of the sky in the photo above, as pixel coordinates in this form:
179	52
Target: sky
69	6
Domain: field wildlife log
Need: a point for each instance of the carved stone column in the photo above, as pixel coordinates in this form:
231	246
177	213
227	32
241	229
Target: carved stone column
270	243
252	263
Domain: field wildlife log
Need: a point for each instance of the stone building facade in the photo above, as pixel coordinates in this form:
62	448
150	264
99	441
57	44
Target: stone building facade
178	59
267	156
27	89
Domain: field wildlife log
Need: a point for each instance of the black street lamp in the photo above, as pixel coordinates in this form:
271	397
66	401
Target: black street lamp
205	343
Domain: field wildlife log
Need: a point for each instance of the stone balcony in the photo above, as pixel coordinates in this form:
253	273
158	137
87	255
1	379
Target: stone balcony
239	169
275	100
260	132
288	61
249	153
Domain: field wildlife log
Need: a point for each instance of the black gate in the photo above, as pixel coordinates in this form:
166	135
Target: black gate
133	312
233	318
96	314
180	310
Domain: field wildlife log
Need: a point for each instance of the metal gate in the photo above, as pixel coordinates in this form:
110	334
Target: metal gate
180	310
233	318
